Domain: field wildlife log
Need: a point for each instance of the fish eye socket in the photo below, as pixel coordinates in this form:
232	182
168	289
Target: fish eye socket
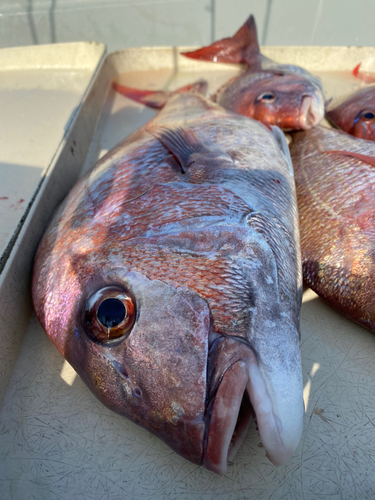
368	116
109	314
267	97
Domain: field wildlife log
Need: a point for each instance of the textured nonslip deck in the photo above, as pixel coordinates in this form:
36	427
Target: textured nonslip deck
58	441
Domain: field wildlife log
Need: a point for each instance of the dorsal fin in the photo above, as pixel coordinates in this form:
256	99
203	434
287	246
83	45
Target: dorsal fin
243	47
281	140
181	142
358	156
158	98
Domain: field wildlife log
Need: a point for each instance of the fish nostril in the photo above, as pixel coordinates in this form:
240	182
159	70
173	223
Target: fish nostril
122	371
138	392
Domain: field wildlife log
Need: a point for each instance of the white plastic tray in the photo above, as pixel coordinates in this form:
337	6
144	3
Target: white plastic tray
47	118
58	442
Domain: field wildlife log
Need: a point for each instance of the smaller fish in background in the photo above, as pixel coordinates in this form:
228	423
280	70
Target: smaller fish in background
335	181
355	113
275	94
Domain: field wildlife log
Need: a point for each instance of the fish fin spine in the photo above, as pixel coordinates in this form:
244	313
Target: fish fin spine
181	142
358	156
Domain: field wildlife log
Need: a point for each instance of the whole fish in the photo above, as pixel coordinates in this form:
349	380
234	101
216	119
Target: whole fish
335	181
170	279
276	94
355	113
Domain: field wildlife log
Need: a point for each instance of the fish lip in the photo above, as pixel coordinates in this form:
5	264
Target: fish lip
241	380
311	112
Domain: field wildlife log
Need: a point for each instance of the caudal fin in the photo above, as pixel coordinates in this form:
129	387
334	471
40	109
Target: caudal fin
158	98
243	47
365	77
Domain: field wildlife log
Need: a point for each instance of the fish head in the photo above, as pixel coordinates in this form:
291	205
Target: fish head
289	101
140	345
182	333
355	114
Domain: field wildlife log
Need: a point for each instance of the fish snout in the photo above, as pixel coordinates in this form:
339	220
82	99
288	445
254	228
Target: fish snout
311	112
245	394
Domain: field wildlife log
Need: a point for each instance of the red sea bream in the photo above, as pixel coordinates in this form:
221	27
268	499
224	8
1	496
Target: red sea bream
275	94
170	279
335	179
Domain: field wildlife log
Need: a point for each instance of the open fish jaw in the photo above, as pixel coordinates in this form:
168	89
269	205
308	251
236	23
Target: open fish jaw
213	272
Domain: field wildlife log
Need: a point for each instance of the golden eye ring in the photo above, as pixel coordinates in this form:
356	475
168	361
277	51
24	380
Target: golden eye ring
267	97
109	314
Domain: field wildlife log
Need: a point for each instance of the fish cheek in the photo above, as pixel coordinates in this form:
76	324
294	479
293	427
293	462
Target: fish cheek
156	376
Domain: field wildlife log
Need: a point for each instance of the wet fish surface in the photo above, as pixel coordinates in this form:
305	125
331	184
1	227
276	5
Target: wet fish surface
275	94
355	113
170	279
335	181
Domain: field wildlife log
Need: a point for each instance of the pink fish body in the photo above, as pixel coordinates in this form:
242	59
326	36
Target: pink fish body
170	279
276	94
335	180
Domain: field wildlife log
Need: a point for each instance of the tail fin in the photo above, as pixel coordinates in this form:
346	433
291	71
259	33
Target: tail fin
365	77
158	98
243	47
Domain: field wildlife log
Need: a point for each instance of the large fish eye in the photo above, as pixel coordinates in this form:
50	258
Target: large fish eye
267	97
109	314
368	116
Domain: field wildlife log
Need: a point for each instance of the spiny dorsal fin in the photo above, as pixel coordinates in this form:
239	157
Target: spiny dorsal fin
281	140
358	156
243	47
181	142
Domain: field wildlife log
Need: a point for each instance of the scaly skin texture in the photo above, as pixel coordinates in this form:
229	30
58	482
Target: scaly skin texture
194	216
355	113
336	202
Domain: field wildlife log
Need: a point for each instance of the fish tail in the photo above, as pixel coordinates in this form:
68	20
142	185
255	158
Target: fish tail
158	98
356	70
243	47
365	77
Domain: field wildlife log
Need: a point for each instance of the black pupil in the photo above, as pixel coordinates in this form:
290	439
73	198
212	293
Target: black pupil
111	312
267	97
369	115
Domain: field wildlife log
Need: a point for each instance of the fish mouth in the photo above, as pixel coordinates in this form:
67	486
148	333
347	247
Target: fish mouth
311	112
242	397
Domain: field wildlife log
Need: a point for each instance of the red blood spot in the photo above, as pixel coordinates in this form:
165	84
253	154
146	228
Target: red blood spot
21	200
4	198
